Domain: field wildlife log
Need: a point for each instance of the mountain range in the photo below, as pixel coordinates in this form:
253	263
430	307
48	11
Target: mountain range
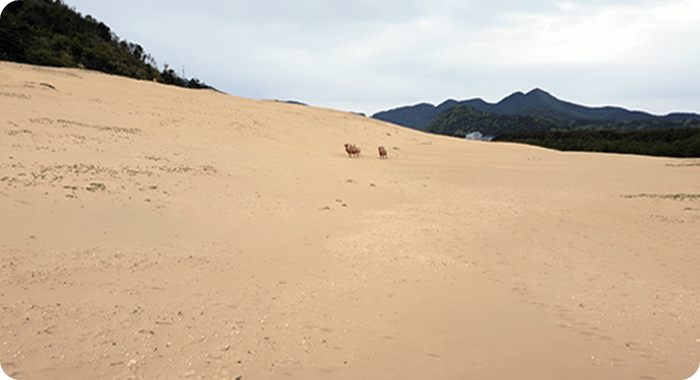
537	102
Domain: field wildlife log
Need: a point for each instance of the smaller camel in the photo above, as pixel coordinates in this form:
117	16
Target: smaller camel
382	152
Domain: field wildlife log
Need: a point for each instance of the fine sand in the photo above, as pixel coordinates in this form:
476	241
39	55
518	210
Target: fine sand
155	232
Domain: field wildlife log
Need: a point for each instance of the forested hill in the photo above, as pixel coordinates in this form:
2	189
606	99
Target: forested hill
460	121
50	33
536	103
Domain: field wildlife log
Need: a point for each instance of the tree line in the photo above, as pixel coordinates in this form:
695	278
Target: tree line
650	136
670	142
50	33
459	121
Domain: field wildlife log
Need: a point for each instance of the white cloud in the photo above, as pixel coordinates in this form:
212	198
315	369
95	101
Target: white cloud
372	54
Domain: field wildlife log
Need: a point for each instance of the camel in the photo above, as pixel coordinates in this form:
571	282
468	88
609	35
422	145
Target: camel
352	150
382	152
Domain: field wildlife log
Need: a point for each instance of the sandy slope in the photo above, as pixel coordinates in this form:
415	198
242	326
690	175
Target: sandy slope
153	232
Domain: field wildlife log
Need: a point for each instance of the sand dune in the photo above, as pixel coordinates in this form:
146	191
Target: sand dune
154	232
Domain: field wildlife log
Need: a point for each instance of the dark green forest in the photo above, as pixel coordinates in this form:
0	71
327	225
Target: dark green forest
670	142
459	121
651	136
50	33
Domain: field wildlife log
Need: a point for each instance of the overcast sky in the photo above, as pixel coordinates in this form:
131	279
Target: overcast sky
373	55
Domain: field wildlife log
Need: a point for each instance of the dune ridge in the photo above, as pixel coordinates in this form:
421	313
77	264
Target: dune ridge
156	232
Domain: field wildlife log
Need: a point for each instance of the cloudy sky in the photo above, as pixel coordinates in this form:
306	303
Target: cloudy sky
373	55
